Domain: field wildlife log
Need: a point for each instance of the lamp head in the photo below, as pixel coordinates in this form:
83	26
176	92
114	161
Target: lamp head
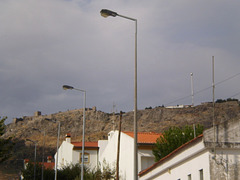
105	13
65	87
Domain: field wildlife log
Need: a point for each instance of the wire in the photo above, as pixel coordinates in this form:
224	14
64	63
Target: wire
227	79
235	94
197	92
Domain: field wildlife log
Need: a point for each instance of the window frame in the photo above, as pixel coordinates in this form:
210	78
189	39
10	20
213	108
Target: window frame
86	158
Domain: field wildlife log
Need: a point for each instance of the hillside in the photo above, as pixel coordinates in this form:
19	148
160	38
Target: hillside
99	123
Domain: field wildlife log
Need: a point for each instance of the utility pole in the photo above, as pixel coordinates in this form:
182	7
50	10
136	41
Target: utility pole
113	121
214	123
118	148
43	153
194	127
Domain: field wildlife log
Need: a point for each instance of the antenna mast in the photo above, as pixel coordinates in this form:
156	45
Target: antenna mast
192	88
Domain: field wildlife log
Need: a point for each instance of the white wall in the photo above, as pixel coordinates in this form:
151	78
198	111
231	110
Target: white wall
190	166
126	157
102	144
226	164
93	158
65	154
189	161
69	156
108	152
146	159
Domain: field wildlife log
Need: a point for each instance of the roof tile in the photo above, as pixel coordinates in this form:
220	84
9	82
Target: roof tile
87	144
145	137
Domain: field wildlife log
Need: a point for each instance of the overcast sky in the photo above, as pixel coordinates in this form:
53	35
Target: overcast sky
45	44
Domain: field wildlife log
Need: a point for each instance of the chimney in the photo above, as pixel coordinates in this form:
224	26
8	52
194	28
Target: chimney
68	137
25	162
49	159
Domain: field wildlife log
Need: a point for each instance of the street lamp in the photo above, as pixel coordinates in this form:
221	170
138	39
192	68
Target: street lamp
106	13
35	155
44	134
66	87
56	162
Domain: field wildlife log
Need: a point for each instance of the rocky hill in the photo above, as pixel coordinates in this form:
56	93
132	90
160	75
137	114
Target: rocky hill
99	123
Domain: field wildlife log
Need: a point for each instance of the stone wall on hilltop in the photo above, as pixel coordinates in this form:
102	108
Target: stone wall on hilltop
99	123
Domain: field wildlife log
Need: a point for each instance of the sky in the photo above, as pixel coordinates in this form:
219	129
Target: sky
45	44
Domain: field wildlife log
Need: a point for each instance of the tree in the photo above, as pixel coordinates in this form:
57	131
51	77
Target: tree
5	144
28	173
70	172
173	138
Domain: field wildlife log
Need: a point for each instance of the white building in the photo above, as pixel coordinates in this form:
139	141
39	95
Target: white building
105	151
188	162
108	151
71	153
206	157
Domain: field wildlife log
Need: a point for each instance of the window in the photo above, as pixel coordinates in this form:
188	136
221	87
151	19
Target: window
86	158
147	162
189	177
201	174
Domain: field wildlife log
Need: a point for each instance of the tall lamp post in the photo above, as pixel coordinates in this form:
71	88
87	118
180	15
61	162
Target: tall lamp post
35	155
106	13
56	162
44	134
56	165
66	87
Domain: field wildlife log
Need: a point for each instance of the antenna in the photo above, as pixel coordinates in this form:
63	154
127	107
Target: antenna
192	88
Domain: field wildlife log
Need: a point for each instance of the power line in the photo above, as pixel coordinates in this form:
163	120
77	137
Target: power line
235	95
228	79
197	92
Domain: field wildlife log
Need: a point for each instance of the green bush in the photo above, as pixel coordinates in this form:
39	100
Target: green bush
28	173
70	172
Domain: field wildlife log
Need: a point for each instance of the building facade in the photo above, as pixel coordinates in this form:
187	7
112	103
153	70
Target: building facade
104	152
188	162
213	155
108	151
71	153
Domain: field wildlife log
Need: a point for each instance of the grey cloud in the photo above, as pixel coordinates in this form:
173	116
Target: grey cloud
45	44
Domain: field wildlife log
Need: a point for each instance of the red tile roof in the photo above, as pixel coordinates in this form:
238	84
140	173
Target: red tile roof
155	165
49	165
86	145
145	137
